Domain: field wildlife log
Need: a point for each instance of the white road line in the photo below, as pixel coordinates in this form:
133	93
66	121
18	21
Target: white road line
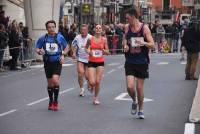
119	67
189	128
113	70
123	97
38	101
9	112
183	62
67	90
113	64
46	98
163	63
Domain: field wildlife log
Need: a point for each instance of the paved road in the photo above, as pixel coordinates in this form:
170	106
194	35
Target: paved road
23	101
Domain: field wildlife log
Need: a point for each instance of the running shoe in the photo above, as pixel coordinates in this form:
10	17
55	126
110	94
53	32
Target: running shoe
96	101
55	106
51	106
134	108
82	93
140	115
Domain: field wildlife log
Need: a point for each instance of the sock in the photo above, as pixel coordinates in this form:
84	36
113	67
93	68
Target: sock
56	92
82	89
50	92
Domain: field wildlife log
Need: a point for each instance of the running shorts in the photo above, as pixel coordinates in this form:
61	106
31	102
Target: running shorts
137	70
52	68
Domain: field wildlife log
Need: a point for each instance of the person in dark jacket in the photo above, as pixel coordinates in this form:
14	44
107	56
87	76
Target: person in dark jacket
191	42
14	45
3	44
3	19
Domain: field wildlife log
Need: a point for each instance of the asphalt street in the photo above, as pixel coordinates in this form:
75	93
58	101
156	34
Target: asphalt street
168	100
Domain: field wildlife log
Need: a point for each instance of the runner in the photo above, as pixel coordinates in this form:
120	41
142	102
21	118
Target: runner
96	47
50	46
137	42
78	46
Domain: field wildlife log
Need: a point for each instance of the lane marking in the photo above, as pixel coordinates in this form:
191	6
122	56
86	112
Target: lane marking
38	101
9	112
183	62
122	96
189	128
113	70
113	64
41	66
162	63
46	98
67	90
121	66
67	65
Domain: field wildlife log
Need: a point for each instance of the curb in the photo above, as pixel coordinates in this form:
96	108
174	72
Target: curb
194	116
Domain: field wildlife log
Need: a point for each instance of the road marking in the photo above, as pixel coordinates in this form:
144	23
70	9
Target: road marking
67	90
67	65
41	66
37	66
122	96
46	98
9	112
113	64
189	128
113	70
38	101
163	63
119	67
183	62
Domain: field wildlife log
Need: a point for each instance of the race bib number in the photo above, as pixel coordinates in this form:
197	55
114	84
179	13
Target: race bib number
51	48
97	53
134	41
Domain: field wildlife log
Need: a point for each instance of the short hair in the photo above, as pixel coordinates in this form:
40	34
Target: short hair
84	25
2	27
50	21
133	11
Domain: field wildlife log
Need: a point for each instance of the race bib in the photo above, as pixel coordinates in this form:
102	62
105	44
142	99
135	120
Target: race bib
51	48
97	53
134	42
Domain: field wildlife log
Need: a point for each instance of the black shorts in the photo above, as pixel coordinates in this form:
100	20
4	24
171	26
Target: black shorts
95	64
52	68
139	71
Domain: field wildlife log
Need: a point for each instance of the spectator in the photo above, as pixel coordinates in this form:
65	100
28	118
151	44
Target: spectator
3	44
190	41
160	32
14	45
175	37
4	20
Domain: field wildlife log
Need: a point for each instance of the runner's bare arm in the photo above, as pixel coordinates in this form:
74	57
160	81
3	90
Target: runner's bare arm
150	42
87	47
74	49
39	51
66	50
124	41
106	49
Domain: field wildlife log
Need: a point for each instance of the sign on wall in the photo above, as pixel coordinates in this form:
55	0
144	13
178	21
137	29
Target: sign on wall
188	2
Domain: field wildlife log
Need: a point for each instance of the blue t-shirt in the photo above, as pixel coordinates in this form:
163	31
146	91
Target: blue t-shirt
53	47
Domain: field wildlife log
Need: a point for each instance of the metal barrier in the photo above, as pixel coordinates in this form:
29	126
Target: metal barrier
164	43
26	54
115	44
167	43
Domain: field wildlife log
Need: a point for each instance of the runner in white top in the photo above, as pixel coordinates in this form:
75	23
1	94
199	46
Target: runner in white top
78	46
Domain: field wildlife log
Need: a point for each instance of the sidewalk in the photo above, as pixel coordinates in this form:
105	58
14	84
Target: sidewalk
194	116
